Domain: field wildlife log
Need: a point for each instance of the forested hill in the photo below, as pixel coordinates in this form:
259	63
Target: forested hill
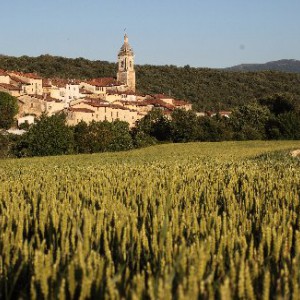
283	65
207	89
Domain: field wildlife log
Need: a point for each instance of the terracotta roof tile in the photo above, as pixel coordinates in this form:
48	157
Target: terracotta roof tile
27	75
18	80
32	75
84	110
84	91
9	87
180	102
3	73
46	83
159	103
103	82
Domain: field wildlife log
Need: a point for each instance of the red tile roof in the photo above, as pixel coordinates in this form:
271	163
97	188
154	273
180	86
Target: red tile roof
129	93
137	103
84	91
161	96
18	80
3	73
9	87
95	102
50	99
59	82
159	103
27	75
103	82
84	110
46	83
180	102
32	76
101	103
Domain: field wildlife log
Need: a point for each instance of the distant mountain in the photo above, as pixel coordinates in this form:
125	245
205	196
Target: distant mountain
283	65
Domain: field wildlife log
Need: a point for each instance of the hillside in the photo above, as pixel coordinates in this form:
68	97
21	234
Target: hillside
283	65
207	89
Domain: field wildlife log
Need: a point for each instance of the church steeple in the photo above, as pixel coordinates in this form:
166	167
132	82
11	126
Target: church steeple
126	38
126	72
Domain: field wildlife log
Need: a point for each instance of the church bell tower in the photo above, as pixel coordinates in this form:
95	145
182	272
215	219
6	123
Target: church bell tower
126	72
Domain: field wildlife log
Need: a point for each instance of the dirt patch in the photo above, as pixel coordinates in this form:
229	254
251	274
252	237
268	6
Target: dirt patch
295	153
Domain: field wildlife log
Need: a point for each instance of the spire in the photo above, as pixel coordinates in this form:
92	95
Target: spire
126	48
126	72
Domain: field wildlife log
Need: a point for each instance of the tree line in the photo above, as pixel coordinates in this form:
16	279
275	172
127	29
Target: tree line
276	117
207	89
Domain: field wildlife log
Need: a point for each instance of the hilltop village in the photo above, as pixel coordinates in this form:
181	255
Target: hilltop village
97	99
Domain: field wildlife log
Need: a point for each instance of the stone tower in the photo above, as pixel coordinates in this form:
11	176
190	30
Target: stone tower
126	72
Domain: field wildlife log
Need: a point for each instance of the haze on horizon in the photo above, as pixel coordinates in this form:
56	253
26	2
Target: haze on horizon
199	33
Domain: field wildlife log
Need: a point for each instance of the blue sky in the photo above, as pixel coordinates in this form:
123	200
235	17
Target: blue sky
201	33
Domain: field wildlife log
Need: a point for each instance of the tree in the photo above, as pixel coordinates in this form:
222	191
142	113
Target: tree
100	136
162	129
121	138
81	138
4	145
184	126
249	121
49	136
284	126
290	125
214	129
8	110
141	139
279	103
146	123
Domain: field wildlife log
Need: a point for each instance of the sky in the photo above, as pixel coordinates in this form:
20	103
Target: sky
199	33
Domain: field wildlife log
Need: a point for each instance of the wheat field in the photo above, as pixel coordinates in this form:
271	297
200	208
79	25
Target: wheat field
174	221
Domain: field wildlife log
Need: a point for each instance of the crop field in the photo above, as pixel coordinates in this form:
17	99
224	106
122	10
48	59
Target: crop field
174	221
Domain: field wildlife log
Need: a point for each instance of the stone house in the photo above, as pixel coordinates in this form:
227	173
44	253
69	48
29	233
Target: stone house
30	83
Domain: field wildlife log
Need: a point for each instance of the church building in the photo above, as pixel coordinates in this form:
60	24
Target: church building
126	72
